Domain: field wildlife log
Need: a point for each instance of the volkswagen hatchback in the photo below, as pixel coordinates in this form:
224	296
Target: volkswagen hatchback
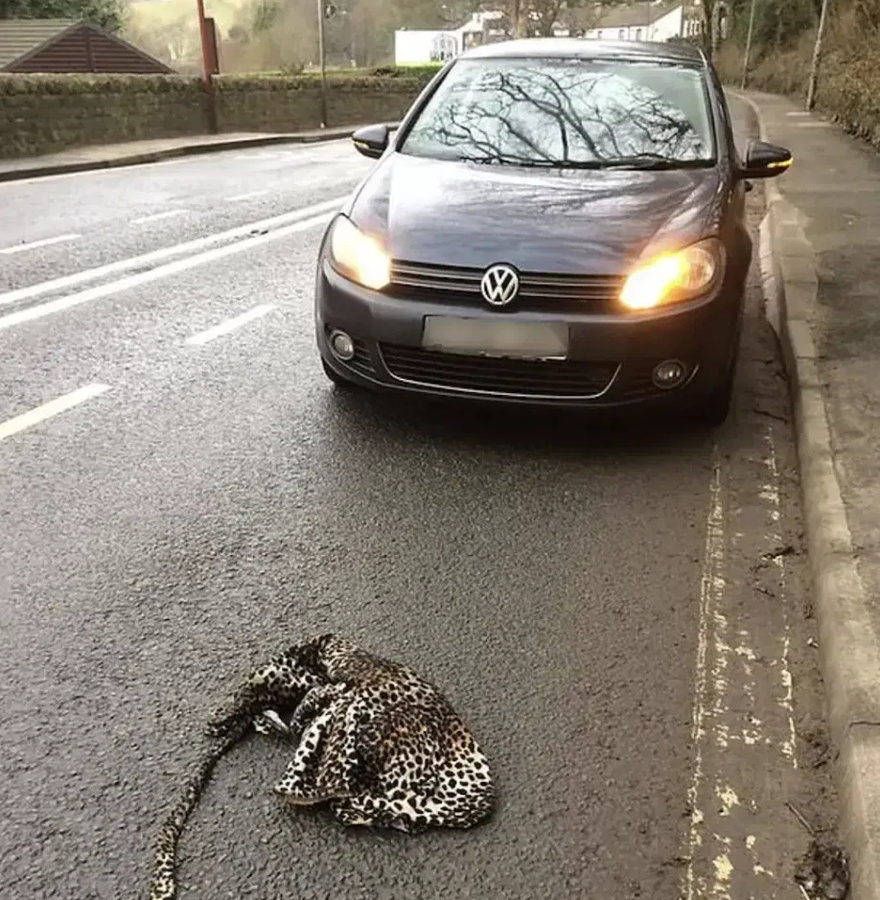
555	222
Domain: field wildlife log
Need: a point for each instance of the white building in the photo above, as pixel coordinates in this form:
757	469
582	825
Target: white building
414	48
652	20
655	20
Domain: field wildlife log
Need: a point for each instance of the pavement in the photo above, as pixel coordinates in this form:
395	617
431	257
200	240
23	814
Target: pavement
820	257
620	609
103	156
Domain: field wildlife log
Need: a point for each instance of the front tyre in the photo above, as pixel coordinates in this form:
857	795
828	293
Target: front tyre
712	409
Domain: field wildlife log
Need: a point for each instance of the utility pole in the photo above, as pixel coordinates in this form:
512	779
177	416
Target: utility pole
817	53
321	14
207	67
745	74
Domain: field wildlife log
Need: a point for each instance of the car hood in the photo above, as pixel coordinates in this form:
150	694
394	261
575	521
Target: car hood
589	221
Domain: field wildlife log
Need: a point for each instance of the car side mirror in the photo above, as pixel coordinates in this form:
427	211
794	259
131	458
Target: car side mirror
765	160
371	140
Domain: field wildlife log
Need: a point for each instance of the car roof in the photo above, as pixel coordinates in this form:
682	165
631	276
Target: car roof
588	48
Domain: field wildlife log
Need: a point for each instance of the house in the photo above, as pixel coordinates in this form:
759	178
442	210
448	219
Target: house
70	45
419	47
651	20
654	20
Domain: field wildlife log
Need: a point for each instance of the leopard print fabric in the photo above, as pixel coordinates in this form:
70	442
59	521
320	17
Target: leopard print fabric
376	741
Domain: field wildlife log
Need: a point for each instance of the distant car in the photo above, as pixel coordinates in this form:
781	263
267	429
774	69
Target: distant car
555	222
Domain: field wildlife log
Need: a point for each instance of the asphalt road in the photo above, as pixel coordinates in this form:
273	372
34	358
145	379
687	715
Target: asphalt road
62	224
618	609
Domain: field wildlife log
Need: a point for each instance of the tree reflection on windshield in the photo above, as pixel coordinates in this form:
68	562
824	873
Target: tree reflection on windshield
560	114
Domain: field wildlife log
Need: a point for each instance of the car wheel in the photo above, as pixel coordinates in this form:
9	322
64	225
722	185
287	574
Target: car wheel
713	408
342	383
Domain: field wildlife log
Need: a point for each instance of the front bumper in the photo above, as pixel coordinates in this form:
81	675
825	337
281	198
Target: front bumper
610	361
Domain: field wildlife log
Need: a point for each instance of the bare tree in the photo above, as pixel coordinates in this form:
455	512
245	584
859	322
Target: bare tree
545	14
530	17
710	26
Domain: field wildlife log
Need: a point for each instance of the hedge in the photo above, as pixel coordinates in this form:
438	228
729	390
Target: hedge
395	79
849	89
848	86
338	83
12	83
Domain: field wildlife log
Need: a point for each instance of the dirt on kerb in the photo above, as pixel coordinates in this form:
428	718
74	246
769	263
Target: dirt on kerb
814	798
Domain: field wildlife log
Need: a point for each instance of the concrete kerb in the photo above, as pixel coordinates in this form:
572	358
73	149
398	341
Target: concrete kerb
848	649
198	147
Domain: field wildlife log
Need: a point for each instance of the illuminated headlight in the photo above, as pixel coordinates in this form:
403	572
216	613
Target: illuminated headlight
674	277
358	256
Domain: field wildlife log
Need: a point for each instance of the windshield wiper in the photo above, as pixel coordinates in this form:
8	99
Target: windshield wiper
501	160
527	163
644	161
650	161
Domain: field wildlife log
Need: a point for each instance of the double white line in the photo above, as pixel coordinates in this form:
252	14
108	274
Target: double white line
195	253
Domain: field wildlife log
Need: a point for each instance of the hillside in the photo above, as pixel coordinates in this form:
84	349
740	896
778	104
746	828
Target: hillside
849	76
169	28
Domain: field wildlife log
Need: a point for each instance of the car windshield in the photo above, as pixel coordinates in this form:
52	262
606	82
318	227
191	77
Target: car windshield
560	113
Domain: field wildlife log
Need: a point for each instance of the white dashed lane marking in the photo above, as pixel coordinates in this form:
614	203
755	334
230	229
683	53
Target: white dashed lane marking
203	337
33	245
251	195
158	217
50	409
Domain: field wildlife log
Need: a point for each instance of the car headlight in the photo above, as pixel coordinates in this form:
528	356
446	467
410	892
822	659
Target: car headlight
359	256
673	277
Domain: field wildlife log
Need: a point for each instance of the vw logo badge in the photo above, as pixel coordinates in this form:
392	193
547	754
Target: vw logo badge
499	285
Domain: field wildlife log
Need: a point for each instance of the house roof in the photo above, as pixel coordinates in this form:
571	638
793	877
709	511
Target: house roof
632	15
19	37
70	45
636	14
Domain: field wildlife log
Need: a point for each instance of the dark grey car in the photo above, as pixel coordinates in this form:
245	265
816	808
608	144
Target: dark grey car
556	222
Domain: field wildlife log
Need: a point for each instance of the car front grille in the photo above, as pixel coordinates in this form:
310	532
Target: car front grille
527	378
538	291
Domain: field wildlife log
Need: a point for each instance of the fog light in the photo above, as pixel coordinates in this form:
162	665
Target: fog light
669	374
342	345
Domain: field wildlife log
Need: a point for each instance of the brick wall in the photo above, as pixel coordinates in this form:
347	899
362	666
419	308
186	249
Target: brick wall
46	113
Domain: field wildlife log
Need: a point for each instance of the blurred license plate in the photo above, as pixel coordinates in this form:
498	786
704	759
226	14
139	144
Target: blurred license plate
487	337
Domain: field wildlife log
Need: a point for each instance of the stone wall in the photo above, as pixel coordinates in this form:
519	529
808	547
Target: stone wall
46	113
294	104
